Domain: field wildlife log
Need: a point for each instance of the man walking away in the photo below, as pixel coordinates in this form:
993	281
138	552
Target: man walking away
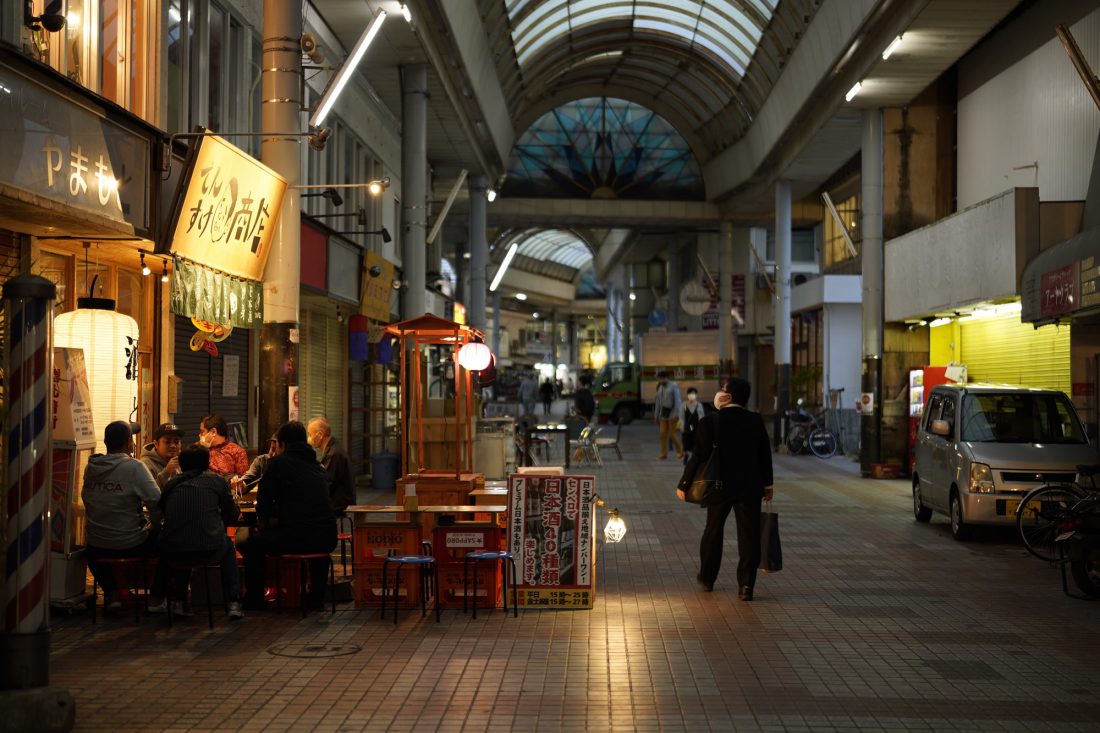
583	399
666	412
116	487
528	392
335	461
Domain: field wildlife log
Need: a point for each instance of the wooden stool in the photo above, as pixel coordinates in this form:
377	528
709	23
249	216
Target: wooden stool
303	569
421	562
490	555
190	567
133	563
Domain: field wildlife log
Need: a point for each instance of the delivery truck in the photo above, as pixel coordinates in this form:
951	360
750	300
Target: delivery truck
626	391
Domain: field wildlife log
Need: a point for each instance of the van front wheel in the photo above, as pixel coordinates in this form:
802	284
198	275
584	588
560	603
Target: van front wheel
960	530
920	512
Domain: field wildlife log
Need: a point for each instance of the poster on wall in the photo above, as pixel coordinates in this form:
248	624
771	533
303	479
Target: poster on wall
70	401
551	535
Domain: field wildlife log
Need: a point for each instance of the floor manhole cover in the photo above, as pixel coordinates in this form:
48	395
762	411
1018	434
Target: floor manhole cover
313	650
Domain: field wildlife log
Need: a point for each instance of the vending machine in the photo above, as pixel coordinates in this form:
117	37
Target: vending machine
921	382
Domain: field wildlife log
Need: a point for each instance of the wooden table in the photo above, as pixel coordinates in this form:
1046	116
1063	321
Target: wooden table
545	429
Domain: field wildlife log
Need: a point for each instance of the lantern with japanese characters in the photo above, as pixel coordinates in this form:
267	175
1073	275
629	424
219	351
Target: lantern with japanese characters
110	343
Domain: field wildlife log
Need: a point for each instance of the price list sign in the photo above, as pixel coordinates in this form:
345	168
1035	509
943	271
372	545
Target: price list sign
551	534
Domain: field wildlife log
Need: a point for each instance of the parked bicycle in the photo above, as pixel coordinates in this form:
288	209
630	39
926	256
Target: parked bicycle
811	434
1060	523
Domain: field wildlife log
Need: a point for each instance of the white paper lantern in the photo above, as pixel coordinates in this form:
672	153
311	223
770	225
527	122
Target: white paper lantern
474	356
110	343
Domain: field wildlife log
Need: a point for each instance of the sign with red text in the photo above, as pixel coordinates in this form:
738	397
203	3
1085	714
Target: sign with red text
226	211
551	534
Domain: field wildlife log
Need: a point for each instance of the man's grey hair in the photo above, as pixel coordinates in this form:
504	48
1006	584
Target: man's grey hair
321	424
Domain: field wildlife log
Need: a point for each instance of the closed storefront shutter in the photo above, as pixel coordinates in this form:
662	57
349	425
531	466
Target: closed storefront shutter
1004	350
324	360
203	385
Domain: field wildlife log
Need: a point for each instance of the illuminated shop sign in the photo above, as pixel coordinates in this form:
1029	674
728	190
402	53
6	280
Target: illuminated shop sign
226	214
66	151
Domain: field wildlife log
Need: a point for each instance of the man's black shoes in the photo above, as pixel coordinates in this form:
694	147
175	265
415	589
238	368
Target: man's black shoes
708	587
744	593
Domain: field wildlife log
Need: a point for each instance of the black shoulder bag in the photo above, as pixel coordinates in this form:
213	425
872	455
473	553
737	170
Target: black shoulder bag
706	486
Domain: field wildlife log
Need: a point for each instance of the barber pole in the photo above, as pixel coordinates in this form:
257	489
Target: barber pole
28	309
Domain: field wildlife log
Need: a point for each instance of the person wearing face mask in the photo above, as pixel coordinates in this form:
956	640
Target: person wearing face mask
226	458
334	459
691	412
746	468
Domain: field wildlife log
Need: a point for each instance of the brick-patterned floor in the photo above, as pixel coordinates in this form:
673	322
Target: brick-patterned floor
876	623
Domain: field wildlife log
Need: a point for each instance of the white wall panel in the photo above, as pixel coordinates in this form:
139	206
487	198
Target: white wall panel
1036	110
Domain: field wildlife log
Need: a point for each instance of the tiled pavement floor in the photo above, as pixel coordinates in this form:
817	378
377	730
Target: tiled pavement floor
875	623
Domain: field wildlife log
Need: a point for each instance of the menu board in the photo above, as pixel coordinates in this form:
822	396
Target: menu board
552	537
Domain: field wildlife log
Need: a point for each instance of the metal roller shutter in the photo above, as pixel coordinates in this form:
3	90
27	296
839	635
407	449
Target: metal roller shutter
324	361
1002	349
202	381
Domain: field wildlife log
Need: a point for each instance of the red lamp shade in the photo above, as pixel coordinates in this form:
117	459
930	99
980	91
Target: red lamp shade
474	356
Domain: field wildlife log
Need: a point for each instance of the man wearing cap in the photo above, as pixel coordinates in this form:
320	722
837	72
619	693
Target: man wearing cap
161	456
116	487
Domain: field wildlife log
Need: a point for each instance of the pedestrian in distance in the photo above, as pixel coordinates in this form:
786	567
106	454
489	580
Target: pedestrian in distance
583	400
546	394
160	456
742	442
691	412
666	413
528	394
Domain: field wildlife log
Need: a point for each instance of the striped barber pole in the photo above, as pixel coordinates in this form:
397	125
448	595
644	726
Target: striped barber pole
28	303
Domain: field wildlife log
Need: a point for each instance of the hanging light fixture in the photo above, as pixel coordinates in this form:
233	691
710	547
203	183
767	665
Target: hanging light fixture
475	356
615	529
164	272
145	271
110	343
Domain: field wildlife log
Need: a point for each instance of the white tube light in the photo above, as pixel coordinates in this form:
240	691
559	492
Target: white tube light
504	266
891	48
853	91
936	323
405	13
343	76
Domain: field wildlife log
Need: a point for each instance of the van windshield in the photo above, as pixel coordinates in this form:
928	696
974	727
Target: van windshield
1020	417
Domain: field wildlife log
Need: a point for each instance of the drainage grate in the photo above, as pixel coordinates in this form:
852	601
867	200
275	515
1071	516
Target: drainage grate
313	651
963	669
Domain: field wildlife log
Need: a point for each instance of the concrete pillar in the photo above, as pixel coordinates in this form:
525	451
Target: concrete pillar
675	273
872	262
414	191
281	111
725	302
479	251
782	306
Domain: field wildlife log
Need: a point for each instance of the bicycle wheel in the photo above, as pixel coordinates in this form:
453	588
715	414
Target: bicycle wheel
822	443
796	440
1039	515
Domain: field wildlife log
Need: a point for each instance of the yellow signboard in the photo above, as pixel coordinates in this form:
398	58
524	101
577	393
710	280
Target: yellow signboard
377	289
227	213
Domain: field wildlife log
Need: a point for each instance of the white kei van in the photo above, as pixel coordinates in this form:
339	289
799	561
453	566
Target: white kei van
981	447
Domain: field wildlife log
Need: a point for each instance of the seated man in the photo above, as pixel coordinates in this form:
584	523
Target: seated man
196	506
293	515
335	461
160	455
116	487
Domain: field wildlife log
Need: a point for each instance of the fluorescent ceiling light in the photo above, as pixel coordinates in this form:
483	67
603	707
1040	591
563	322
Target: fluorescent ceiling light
939	322
406	14
521	296
853	91
504	266
343	76
891	48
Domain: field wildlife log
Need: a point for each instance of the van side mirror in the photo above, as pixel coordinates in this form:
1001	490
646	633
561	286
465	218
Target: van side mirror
941	427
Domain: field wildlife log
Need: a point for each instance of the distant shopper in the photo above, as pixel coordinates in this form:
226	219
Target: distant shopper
666	412
226	457
116	488
293	515
335	461
690	413
742	442
197	505
160	456
528	394
583	399
546	394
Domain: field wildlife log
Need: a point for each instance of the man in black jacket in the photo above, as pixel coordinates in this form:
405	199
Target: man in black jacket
335	461
584	400
293	515
742	442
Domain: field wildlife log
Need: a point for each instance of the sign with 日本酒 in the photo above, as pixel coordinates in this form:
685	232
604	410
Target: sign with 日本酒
226	210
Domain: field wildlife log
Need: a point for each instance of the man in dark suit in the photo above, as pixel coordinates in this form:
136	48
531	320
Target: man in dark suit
742	442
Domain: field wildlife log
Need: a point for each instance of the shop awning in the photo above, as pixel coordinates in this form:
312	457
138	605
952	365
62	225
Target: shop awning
1061	282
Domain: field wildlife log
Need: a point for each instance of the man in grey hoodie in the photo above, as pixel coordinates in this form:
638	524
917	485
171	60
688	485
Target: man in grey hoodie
116	487
161	456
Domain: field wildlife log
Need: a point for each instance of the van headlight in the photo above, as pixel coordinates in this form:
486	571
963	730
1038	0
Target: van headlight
981	479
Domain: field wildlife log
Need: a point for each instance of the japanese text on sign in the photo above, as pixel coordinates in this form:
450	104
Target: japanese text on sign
79	172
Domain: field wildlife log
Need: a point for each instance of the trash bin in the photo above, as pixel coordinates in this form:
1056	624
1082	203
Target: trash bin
384	470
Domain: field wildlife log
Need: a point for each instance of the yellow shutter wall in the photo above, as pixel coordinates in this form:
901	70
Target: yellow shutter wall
1002	349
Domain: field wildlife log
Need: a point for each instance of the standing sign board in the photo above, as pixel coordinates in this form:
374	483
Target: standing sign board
552	537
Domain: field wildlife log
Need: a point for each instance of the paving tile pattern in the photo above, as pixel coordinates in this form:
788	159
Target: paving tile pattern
876	623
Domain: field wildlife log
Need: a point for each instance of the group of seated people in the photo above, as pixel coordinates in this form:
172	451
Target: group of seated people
190	500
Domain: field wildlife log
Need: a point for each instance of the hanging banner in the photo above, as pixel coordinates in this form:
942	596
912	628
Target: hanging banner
551	534
200	293
226	209
70	401
377	290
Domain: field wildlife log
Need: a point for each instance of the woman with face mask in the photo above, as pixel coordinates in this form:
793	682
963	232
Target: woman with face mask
226	458
691	411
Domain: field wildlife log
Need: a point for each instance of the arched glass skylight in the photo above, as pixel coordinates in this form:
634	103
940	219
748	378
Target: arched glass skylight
556	245
726	30
603	148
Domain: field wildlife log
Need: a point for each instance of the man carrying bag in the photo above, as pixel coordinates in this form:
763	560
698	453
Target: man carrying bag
740	438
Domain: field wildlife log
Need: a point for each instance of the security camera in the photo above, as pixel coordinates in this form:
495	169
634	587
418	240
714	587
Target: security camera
375	270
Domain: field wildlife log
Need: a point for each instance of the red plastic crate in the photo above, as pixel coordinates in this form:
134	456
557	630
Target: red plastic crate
450	545
367	586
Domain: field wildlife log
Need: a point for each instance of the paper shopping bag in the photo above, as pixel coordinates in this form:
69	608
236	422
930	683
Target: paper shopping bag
771	552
